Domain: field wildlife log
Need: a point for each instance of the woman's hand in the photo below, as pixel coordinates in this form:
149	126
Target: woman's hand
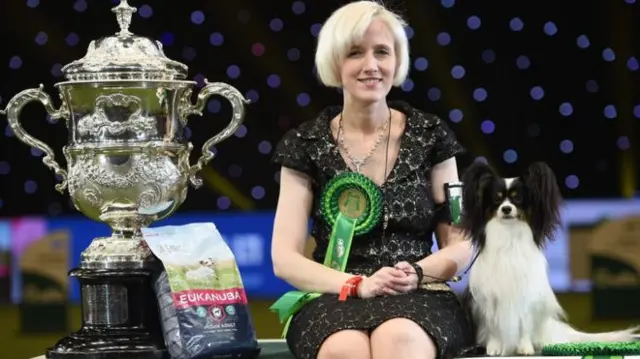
386	280
408	269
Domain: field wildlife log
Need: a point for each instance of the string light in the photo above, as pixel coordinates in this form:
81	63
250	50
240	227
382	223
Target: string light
407	85
443	39
474	22
197	17
457	72
516	24
80	5
409	31
488	56
145	11
487	127
566	146
421	64
72	39
550	28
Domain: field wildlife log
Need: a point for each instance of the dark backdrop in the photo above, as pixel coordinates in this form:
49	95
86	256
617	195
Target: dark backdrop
546	80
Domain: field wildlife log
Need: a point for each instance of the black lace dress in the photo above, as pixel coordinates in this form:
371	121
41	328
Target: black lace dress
411	219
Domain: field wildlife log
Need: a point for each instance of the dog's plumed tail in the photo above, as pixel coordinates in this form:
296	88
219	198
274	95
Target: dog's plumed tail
560	332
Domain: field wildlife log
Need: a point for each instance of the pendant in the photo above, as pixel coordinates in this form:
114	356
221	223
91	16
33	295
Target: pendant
357	165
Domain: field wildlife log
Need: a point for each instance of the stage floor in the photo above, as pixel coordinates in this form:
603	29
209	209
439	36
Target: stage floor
277	349
271	349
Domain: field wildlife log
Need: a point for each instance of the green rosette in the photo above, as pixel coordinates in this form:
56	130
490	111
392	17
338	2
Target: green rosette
352	205
593	350
354	196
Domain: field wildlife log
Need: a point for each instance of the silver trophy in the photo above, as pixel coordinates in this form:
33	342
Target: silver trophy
126	107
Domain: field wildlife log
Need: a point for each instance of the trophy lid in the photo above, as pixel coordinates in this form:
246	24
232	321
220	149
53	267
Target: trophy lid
124	56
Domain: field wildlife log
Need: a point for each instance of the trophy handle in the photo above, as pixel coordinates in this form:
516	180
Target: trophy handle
238	102
13	109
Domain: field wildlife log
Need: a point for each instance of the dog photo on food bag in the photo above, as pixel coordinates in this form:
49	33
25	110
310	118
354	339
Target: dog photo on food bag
511	302
203	304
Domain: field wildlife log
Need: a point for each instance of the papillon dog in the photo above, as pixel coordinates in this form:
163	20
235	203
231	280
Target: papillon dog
509	298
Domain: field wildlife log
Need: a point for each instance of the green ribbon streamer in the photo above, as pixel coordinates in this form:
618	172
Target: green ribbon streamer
340	243
336	258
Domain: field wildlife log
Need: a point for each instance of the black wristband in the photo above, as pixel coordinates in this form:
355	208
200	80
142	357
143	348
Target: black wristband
442	213
419	272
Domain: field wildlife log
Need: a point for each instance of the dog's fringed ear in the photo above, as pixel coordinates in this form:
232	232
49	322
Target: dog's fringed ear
477	177
545	199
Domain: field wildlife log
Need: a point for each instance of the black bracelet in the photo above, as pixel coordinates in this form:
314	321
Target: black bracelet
442	213
419	272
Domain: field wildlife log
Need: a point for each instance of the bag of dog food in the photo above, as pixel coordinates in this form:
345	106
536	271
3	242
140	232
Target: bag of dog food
203	305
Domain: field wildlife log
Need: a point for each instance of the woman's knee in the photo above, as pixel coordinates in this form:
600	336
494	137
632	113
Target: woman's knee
401	335
347	344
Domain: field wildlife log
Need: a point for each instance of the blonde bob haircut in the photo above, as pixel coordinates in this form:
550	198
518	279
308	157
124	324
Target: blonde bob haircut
346	27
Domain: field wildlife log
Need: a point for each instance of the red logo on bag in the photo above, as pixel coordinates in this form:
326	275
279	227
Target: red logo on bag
217	313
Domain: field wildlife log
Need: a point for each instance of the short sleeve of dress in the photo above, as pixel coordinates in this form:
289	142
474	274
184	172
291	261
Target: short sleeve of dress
291	152
446	144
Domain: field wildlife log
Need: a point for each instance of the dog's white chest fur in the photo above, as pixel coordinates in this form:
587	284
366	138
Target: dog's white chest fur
511	293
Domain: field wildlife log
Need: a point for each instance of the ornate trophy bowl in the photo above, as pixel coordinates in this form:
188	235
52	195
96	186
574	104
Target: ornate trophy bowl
127	158
126	107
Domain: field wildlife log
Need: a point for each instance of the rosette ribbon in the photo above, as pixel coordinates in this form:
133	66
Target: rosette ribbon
352	205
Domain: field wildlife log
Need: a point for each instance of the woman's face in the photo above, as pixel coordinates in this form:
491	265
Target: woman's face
369	68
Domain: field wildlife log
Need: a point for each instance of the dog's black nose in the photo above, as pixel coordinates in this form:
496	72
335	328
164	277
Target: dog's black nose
506	209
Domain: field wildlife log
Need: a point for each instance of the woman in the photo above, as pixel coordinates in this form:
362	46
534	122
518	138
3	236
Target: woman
409	156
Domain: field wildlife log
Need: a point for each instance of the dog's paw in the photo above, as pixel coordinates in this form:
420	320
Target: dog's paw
494	348
525	347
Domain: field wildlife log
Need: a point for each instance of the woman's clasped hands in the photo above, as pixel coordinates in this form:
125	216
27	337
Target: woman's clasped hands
389	281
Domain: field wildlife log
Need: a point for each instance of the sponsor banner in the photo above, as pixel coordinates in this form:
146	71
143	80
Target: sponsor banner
248	235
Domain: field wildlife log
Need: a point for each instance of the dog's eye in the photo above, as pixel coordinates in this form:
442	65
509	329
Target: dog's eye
500	194
514	195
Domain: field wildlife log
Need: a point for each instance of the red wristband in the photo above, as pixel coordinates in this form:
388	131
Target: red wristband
350	288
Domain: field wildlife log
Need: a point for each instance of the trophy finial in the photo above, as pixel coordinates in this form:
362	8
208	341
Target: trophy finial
124	12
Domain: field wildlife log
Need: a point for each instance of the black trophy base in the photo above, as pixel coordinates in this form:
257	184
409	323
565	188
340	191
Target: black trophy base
107	344
120	318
